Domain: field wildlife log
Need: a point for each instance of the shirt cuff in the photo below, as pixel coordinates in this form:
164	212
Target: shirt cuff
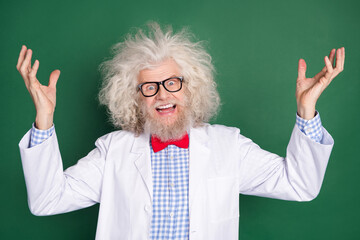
311	128
38	136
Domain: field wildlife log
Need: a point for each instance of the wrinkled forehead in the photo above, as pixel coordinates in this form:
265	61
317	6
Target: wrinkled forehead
160	71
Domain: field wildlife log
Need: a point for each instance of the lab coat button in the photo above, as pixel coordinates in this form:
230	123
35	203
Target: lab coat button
147	208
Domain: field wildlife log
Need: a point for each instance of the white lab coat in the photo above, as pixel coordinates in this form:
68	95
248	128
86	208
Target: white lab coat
222	164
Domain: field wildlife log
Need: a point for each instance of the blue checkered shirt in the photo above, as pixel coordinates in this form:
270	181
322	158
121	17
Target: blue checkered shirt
311	128
38	136
170	170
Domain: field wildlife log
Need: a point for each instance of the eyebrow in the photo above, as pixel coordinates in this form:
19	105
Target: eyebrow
174	75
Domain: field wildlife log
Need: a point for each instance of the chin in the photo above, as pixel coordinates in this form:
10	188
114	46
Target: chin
167	122
168	128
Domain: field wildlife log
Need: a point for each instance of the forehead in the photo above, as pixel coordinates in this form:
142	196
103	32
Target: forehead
166	69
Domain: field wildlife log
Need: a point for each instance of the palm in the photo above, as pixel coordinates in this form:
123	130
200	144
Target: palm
44	97
308	90
50	94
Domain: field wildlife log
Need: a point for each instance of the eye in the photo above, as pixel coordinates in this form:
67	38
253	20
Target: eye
150	88
170	83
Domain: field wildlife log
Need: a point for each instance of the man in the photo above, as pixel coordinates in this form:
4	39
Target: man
168	174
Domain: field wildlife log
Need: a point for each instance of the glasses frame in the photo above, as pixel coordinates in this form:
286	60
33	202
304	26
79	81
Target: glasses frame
158	85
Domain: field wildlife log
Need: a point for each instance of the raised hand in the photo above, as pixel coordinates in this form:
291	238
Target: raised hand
44	97
308	90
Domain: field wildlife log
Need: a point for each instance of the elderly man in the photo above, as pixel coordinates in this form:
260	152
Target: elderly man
168	174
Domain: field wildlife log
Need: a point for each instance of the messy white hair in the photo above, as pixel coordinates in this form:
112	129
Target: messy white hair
144	49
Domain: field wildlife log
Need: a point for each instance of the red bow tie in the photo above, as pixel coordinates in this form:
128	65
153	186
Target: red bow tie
158	145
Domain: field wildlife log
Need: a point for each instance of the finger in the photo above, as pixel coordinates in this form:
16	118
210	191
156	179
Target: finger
323	71
329	69
32	74
21	57
339	62
332	56
25	66
339	57
54	76
301	69
320	74
343	58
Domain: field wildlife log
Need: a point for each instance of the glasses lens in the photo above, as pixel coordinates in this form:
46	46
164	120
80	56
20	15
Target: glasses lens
172	84
149	89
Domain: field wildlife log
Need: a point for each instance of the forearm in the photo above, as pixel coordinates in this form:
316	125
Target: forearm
49	190
297	177
43	173
305	164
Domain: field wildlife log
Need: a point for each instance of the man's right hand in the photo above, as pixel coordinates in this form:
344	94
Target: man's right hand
44	97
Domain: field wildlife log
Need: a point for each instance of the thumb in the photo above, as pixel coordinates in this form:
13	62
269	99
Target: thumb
301	69
54	76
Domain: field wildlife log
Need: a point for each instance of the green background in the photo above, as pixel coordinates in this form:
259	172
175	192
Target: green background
255	46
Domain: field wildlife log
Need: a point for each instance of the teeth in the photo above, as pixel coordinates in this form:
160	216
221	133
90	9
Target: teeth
165	106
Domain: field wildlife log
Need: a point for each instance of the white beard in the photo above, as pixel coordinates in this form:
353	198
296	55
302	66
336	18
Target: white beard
166	131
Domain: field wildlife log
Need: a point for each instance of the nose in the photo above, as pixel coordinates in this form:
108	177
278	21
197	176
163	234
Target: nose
162	93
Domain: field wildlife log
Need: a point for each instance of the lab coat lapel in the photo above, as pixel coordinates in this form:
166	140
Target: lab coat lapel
141	154
198	162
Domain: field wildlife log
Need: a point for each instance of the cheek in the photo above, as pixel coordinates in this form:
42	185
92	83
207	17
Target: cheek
181	97
149	102
145	104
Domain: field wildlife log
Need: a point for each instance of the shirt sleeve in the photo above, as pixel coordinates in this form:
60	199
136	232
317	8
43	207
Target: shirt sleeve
38	136
311	128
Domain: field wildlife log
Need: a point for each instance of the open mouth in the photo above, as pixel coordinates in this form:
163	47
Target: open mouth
168	108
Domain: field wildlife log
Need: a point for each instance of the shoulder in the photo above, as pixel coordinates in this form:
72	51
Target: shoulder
216	135
216	129
118	134
117	137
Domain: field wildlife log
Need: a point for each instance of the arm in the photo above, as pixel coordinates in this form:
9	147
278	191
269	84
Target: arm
299	175
50	189
296	177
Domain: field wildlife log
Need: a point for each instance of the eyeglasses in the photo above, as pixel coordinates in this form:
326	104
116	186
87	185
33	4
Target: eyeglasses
149	89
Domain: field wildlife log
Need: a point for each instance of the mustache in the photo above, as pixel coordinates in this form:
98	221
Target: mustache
172	101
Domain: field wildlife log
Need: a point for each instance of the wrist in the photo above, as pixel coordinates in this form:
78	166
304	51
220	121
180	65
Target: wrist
43	122
307	112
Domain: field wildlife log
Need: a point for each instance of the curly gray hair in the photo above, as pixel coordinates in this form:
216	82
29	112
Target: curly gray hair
144	49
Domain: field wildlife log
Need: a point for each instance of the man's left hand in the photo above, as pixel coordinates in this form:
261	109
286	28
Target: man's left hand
308	90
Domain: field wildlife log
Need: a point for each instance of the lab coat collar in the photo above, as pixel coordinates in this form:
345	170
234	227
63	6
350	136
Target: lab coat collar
141	156
199	155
